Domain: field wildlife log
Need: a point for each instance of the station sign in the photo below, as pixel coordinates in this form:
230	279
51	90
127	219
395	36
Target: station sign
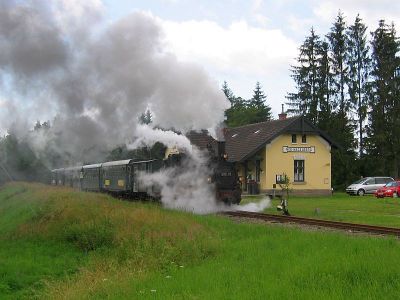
286	149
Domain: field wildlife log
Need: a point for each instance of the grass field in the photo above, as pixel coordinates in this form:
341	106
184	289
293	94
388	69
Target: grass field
342	207
56	243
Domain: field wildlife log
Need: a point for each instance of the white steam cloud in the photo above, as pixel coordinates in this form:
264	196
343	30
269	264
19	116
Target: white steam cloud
254	206
60	61
186	187
59	58
148	136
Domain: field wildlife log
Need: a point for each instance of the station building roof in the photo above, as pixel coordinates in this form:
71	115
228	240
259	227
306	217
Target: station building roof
245	141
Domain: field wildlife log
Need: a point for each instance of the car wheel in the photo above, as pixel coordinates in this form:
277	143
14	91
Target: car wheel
360	192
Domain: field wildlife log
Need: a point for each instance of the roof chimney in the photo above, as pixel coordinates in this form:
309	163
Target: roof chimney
282	115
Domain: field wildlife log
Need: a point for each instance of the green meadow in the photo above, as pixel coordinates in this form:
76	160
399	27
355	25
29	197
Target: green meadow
56	243
341	207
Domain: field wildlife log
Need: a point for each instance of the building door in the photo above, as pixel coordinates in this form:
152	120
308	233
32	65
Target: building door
258	171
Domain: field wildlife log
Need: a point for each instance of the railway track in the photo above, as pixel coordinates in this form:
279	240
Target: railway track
316	222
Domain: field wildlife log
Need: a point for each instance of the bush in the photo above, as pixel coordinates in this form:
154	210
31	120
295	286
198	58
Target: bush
91	236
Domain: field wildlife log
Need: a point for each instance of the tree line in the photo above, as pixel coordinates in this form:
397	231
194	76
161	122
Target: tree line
243	111
347	84
18	160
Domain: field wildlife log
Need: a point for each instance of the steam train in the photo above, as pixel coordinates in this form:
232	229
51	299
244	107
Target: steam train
122	177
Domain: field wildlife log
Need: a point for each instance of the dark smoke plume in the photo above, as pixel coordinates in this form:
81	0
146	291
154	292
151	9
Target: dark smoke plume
60	59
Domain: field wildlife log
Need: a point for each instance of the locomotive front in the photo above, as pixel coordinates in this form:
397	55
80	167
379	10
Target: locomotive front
223	175
225	178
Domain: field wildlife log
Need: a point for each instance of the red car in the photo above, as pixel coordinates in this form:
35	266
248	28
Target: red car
391	189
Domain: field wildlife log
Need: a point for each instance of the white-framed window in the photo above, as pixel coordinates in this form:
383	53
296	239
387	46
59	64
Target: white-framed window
294	139
304	139
298	170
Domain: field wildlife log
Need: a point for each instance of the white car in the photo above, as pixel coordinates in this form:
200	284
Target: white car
367	185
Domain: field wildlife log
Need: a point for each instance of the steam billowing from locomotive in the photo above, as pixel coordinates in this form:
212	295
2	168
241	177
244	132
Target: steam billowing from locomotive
60	59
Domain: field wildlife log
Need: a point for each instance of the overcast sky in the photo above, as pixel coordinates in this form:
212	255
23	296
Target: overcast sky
239	41
247	41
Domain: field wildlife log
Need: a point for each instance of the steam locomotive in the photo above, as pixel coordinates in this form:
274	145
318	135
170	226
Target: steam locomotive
122	177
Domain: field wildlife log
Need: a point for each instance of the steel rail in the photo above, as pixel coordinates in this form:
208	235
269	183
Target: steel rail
316	222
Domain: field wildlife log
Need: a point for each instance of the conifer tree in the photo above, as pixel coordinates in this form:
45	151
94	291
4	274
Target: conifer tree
343	130
228	93
358	60
259	97
338	48
324	87
305	100
243	112
146	117
262	112
384	128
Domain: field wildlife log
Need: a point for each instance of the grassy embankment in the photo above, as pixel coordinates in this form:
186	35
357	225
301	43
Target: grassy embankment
57	243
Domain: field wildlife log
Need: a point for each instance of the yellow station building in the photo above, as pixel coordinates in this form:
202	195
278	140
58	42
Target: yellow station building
263	152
